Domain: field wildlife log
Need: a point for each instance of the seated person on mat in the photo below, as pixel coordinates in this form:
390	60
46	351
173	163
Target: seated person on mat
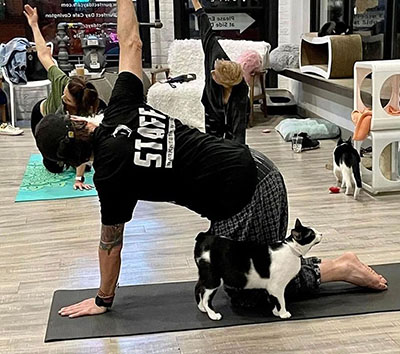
226	94
157	158
75	96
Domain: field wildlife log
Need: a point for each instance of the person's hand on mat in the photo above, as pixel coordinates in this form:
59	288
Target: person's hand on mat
86	307
82	186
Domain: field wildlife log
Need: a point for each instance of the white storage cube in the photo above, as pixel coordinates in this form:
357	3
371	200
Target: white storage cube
381	71
373	180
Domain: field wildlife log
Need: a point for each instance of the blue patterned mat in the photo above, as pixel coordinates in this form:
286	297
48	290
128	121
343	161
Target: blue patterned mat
39	184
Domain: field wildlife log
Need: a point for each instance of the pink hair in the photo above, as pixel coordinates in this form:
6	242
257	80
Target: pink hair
251	62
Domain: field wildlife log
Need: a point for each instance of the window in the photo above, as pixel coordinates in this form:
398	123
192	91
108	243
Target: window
84	17
377	21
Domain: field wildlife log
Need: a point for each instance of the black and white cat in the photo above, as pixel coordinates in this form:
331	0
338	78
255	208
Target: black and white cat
245	265
346	167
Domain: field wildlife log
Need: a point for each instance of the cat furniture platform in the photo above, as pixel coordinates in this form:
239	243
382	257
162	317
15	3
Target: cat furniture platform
384	133
331	57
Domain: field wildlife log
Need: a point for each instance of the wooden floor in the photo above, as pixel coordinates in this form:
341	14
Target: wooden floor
49	245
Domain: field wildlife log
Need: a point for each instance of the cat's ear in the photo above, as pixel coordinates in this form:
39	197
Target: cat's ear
298	224
296	234
340	141
349	139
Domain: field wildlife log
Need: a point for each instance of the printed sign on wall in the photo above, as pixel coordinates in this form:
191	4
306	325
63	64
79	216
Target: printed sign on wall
230	21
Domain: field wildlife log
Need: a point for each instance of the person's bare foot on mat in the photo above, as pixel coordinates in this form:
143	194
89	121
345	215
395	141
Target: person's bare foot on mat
350	269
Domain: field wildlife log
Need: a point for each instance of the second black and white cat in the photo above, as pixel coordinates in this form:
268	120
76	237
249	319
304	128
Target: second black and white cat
346	167
245	265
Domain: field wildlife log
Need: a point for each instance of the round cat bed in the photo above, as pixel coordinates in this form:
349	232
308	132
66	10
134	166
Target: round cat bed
316	128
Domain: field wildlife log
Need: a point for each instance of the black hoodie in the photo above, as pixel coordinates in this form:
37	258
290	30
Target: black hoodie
230	120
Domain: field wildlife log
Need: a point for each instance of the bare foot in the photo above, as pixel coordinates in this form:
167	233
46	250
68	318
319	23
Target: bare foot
358	273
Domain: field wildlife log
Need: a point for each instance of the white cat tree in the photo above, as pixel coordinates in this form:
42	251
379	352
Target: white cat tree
385	127
331	57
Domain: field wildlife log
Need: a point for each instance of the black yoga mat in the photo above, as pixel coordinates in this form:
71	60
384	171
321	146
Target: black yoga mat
155	308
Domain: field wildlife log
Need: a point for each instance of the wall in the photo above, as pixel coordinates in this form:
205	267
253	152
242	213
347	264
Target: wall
325	104
14	24
294	19
162	38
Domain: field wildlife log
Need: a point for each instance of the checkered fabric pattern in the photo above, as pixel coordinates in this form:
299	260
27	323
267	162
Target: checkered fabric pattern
264	219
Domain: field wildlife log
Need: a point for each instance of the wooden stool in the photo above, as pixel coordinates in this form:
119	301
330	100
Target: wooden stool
255	78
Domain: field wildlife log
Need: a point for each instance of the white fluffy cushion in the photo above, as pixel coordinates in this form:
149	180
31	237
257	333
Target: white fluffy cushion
182	102
184	57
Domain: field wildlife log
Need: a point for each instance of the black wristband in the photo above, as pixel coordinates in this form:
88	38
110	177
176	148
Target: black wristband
80	178
107	302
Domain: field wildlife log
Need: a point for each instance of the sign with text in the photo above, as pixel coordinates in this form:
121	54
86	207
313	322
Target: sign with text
82	18
230	21
91	12
368	19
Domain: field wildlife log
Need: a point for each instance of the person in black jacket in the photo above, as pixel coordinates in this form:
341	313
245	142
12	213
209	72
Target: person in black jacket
226	94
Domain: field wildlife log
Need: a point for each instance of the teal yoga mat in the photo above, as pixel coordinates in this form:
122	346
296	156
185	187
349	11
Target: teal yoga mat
39	184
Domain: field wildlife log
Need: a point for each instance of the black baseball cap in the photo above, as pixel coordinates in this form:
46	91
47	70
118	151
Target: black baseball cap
55	138
50	132
54	167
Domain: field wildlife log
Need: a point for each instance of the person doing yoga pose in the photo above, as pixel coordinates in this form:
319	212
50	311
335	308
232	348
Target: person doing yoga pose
226	94
142	154
73	95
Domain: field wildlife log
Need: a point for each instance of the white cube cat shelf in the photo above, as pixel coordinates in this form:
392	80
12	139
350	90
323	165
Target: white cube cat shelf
374	180
331	57
381	71
385	127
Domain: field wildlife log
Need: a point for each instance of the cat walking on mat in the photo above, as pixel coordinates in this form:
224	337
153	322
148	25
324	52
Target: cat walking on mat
248	265
346	167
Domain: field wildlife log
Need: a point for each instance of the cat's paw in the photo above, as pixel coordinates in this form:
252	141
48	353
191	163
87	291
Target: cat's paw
201	307
215	316
348	191
275	312
285	314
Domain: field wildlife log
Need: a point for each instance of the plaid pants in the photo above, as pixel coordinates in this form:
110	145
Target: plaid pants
264	220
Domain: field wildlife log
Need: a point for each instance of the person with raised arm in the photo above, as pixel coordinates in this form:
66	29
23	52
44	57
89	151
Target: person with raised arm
74	95
226	94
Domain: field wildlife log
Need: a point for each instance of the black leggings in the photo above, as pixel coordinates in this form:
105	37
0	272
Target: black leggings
36	116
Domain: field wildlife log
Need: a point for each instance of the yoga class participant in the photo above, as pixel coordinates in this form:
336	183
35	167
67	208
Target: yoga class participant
226	94
73	95
142	154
